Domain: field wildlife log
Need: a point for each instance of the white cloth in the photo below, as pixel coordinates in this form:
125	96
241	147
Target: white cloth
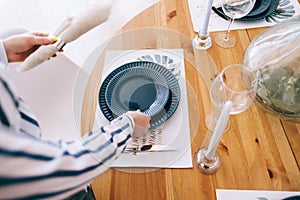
69	30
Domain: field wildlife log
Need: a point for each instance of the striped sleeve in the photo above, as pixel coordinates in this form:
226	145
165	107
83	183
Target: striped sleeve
18	114
3	57
28	123
33	168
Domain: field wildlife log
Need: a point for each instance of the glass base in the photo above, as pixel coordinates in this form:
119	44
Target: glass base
202	42
205	165
211	120
225	43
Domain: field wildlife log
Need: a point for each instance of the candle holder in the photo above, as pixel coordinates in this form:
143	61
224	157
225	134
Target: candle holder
202	41
207	159
207	165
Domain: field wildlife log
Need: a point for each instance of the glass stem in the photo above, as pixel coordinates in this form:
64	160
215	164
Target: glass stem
228	29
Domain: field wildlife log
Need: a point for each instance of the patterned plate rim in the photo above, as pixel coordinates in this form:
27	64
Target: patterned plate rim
148	73
171	105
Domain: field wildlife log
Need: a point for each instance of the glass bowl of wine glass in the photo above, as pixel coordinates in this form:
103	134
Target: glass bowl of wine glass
235	83
234	9
231	92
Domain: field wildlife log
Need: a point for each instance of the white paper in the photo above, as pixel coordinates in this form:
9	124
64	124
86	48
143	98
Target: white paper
216	23
175	132
254	194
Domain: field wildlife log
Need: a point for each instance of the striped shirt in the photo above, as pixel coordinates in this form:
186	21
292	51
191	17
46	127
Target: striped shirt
34	168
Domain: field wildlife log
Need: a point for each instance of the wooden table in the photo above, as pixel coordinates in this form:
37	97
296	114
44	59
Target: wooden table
259	152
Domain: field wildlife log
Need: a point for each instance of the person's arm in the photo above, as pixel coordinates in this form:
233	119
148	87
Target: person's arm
34	168
19	47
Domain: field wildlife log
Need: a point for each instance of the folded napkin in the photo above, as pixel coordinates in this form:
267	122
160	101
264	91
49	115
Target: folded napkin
69	30
261	9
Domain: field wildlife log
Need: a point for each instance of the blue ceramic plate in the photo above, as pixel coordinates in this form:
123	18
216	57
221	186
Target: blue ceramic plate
292	198
260	7
172	102
261	10
137	88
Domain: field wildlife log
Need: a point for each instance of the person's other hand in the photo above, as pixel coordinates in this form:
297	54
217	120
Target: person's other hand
142	123
19	47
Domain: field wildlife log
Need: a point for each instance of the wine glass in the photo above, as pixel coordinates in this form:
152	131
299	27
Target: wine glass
235	86
234	9
235	83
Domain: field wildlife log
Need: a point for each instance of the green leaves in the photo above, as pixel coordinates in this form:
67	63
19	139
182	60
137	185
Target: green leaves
280	88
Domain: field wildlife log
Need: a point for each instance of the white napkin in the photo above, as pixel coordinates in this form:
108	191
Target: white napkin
70	29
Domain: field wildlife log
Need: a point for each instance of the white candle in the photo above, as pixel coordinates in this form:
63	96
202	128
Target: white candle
219	129
203	31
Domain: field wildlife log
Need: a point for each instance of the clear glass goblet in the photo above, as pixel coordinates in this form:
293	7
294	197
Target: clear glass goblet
234	9
236	84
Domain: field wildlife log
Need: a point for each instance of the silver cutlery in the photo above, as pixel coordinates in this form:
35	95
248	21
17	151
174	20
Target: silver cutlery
149	148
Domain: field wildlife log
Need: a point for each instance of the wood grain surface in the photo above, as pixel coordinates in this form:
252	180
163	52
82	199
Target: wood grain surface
259	152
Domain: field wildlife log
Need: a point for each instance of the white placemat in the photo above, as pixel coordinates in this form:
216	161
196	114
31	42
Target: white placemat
175	131
216	23
255	195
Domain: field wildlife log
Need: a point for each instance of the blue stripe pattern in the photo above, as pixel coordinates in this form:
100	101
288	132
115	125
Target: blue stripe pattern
10	92
19	180
120	130
29	119
9	181
24	154
3	118
124	141
65	153
29	129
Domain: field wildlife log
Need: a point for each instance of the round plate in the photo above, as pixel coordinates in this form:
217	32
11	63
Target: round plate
169	108
292	198
137	88
261	9
271	8
260	6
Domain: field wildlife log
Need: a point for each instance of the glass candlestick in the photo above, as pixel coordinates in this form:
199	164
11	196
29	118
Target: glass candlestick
207	165
207	159
202	41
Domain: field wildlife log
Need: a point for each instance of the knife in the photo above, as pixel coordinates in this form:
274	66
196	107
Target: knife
149	148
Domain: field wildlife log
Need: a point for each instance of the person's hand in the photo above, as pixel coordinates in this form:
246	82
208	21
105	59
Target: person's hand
141	121
19	47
